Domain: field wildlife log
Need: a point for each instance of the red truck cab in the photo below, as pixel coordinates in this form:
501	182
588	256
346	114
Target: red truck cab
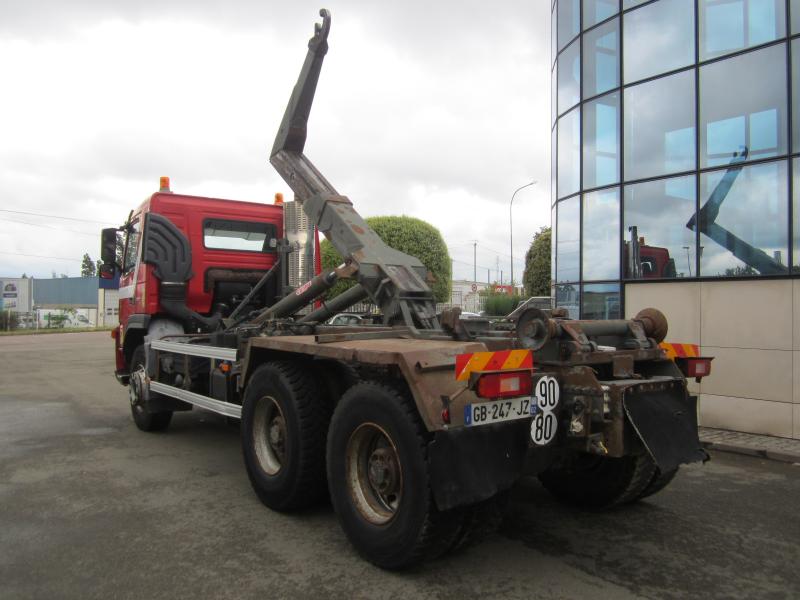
225	247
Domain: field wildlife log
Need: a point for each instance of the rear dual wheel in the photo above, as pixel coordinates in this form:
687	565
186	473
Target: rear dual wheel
603	482
379	481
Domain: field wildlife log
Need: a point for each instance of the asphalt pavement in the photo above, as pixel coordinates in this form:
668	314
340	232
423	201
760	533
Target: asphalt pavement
90	507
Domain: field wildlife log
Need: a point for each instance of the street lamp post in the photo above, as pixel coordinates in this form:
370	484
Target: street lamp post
511	227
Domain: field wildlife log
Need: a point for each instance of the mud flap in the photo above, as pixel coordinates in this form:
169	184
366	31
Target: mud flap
471	464
666	422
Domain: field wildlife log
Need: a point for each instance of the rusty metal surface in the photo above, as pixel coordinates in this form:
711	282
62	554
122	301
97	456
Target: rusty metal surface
428	366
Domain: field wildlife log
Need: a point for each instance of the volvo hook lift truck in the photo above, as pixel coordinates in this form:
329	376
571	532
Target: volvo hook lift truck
416	427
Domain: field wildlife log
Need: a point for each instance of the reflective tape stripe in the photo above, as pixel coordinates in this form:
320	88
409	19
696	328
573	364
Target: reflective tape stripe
503	360
674	350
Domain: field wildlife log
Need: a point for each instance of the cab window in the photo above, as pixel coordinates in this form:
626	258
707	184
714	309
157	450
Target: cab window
248	236
131	246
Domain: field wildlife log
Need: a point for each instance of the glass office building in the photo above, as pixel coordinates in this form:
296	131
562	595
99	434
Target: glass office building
675	179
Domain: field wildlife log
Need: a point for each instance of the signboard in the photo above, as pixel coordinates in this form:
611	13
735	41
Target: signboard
15	294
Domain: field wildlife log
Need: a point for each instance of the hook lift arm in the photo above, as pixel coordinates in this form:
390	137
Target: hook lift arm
393	280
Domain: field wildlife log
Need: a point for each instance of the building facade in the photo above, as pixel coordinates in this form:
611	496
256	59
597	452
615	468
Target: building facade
675	178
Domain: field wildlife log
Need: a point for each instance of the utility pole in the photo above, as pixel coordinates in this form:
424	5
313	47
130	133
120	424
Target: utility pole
511	225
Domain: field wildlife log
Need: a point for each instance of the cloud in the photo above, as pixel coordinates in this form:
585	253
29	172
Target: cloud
436	110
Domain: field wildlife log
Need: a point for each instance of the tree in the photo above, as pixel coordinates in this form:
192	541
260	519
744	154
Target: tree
537	265
409	235
87	266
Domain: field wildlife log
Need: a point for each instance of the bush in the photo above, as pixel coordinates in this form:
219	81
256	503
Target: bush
409	235
499	305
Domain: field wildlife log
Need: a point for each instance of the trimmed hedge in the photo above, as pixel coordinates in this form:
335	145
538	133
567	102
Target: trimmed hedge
409	235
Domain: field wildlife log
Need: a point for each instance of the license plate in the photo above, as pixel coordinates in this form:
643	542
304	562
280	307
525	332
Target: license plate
484	413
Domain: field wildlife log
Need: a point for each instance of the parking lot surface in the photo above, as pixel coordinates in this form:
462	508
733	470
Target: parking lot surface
90	507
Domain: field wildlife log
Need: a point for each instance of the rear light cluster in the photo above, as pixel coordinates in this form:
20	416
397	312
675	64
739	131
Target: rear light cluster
697	366
504	385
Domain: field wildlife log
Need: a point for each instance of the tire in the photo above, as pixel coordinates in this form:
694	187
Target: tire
284	423
658	482
144	419
379	481
600	482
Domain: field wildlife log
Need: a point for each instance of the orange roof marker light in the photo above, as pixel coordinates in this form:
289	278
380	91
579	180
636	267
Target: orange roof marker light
163	184
278	198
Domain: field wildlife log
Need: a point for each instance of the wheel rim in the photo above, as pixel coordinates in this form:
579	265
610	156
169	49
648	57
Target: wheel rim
270	436
374	473
135	390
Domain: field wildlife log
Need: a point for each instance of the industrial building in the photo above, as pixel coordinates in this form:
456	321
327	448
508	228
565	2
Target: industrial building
675	142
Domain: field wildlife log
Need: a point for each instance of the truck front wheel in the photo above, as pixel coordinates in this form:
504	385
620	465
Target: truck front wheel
144	418
285	419
379	481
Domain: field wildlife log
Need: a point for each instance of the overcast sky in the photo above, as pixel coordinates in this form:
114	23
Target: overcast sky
437	110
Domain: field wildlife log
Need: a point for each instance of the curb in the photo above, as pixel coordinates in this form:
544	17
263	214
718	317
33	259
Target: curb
780	456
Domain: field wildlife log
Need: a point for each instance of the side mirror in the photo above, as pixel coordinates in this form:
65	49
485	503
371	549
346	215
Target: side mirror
108	253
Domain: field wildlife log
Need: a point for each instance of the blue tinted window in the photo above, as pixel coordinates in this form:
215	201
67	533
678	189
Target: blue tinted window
795	8
553	36
631	3
569	153
658	38
553	220
601	235
568	296
569	14
601	141
601	301
796	214
553	162
738	113
743	221
796	92
659	127
658	242
601	59
730	25
567	241
595	11
569	77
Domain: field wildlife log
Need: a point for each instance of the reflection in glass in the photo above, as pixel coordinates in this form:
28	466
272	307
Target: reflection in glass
569	148
743	221
600	301
795	9
553	40
730	25
631	3
601	59
601	141
553	218
796	91
658	244
743	112
601	235
658	38
553	158
595	11
569	14
796	214
567	248
567	296
569	77
660	127
554	94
